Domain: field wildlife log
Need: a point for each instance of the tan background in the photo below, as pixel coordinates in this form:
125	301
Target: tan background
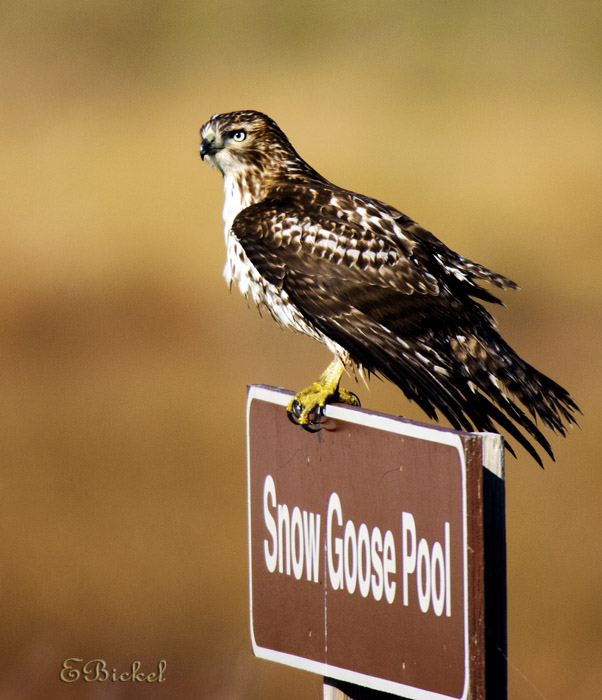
124	360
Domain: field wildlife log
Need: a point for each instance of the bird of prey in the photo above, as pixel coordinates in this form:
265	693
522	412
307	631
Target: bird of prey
381	292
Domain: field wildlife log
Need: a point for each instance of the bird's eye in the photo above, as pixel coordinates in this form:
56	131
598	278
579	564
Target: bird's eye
239	135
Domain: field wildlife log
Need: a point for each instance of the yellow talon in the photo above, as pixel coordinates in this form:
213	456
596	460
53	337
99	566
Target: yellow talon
347	397
317	395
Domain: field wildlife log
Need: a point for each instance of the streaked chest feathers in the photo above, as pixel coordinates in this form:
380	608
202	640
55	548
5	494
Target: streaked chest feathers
250	282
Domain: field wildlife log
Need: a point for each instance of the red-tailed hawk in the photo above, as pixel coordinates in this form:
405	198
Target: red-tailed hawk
377	289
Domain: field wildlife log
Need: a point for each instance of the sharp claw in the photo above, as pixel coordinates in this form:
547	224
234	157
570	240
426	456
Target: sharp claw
313	424
356	399
294	413
291	416
311	427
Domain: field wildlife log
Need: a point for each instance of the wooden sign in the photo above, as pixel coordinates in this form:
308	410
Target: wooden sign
366	548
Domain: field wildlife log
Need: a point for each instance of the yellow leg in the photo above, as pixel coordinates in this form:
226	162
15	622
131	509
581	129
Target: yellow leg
317	395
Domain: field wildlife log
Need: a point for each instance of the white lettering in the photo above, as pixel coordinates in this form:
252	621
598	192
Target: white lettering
357	558
447	571
431	564
350	569
311	533
408	551
423	571
376	550
437	579
284	523
389	566
294	538
363	559
297	537
269	490
335	572
354	557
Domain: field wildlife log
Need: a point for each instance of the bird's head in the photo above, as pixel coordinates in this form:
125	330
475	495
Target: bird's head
246	140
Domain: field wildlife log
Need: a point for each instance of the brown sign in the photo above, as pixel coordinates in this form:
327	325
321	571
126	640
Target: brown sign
359	547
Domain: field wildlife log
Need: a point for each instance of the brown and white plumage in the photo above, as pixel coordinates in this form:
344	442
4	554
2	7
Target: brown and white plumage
378	289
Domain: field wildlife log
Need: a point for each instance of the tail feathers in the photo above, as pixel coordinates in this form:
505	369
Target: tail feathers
475	380
485	409
477	384
502	374
546	399
490	365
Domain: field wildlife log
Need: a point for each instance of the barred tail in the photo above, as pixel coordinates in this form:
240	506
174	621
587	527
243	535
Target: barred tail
477	382
501	380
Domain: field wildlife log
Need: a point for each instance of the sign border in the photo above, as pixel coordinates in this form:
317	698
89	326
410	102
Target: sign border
393	425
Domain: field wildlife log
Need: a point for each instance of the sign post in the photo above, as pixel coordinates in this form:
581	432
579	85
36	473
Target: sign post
376	552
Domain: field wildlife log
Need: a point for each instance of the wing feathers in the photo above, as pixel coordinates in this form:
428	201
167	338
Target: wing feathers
402	305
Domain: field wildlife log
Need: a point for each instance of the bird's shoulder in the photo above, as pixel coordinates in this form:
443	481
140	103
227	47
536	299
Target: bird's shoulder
336	233
305	213
311	223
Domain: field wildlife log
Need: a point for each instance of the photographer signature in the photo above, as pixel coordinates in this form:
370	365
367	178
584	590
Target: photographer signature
75	669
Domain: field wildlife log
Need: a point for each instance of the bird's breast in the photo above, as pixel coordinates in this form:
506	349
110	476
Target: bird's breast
256	288
234	202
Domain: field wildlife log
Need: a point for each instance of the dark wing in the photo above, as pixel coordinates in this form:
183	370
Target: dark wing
401	303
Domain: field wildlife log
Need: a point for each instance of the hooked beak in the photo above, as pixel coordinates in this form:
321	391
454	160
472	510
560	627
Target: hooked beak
208	147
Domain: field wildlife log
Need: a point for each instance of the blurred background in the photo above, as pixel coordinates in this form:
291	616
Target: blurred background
124	359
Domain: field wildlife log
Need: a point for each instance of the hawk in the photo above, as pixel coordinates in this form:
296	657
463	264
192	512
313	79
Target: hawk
381	292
